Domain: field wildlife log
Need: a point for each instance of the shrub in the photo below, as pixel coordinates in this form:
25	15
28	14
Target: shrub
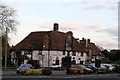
34	63
117	69
31	72
46	71
103	70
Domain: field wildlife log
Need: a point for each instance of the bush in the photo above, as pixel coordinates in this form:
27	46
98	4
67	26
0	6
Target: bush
46	71
117	69
34	63
31	72
103	70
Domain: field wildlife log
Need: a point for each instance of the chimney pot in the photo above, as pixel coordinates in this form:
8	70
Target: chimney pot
56	26
88	40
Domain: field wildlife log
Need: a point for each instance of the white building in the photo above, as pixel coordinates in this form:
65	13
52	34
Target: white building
49	48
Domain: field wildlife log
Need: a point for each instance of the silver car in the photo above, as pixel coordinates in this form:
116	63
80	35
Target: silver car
23	67
109	66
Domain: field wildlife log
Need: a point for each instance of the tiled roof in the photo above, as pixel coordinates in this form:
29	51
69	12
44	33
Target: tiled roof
86	44
94	50
53	40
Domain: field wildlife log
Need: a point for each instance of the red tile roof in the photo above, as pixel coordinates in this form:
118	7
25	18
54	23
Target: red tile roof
53	40
94	50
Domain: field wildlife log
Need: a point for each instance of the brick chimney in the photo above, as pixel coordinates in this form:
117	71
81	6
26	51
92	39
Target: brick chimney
88	40
56	27
70	33
83	41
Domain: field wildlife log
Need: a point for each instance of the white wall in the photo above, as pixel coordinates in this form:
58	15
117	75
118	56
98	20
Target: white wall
43	59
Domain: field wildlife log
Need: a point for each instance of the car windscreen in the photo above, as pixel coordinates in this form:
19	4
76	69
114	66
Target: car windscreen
25	66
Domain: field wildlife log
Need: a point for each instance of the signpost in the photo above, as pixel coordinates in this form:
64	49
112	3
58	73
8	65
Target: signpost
68	46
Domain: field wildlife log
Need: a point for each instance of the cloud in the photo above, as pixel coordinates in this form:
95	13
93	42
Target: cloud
101	5
113	31
99	28
26	1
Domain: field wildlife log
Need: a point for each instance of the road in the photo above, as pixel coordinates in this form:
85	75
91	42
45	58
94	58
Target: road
60	75
65	77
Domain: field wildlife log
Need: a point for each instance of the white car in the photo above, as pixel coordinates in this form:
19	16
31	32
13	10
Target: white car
56	67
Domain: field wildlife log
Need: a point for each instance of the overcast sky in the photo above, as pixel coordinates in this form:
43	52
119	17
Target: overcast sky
93	19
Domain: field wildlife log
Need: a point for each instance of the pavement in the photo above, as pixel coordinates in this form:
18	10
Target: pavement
9	73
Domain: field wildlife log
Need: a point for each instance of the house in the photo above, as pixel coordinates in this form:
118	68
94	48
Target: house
115	55
49	48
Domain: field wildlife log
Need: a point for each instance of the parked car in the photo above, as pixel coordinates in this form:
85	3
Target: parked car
117	68
56	67
23	67
101	69
79	69
28	69
109	66
91	67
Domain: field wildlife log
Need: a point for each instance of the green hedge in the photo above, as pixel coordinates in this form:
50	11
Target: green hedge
41	71
46	71
117	69
103	70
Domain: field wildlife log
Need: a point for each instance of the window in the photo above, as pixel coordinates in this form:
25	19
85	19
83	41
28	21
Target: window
40	52
87	54
63	52
73	53
27	52
81	53
81	62
73	57
57	62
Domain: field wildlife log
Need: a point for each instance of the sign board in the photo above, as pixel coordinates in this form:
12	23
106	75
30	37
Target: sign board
68	43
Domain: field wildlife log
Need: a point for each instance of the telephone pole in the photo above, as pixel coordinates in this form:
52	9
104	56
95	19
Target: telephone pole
6	42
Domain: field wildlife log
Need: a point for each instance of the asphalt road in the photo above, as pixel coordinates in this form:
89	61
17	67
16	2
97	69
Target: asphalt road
66	77
61	75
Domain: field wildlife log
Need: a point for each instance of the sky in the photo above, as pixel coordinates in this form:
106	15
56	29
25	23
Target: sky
91	19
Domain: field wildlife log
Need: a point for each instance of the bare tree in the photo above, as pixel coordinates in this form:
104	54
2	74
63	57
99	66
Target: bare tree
7	19
7	24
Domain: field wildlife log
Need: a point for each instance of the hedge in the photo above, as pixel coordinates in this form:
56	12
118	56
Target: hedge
36	72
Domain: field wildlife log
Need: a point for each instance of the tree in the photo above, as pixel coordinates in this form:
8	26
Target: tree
7	19
115	55
106	53
7	24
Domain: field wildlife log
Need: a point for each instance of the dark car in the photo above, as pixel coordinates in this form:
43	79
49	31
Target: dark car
23	67
91	67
